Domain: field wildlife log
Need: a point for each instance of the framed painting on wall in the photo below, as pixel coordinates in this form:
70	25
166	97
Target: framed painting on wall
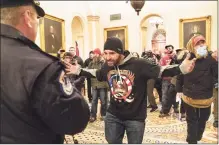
52	34
120	32
193	26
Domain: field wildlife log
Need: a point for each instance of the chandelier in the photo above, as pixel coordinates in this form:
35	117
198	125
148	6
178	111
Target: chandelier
137	5
156	21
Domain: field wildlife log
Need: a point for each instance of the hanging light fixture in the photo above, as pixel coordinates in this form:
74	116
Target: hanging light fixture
156	21
137	5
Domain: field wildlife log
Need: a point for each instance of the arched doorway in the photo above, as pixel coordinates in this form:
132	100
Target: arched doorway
78	34
149	26
158	41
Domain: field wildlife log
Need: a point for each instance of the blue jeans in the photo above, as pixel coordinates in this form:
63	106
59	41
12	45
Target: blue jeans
115	130
99	93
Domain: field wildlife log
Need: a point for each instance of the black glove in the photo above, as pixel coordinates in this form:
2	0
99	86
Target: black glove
79	82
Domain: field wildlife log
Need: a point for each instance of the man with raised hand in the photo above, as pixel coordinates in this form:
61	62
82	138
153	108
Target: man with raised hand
127	78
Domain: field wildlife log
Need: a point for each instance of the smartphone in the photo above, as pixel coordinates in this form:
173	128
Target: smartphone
73	62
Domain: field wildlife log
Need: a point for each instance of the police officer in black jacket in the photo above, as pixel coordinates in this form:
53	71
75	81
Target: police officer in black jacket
38	102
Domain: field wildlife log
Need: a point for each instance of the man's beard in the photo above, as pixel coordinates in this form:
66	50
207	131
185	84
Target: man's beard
96	59
118	60
114	62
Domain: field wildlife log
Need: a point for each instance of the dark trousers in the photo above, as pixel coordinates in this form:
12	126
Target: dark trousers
182	107
168	96
150	94
215	94
196	119
89	89
158	86
172	94
115	129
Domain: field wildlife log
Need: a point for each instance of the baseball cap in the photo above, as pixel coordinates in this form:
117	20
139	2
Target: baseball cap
15	3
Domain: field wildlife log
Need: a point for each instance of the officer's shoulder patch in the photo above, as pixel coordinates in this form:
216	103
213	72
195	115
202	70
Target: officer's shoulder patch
65	84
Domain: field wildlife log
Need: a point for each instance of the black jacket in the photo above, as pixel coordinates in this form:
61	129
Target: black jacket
34	107
79	60
200	82
87	62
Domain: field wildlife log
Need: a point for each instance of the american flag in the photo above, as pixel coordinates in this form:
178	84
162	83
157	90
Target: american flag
76	46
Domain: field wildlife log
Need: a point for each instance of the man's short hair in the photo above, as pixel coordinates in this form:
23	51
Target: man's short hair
68	54
10	15
169	46
71	47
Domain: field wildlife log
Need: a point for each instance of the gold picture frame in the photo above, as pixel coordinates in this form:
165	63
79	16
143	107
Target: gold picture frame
120	32
192	26
52	34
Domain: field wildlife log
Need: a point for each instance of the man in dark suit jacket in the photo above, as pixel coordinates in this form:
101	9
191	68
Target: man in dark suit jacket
52	42
72	50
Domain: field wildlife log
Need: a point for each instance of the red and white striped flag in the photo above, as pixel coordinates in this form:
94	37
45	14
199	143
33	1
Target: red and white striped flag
76	47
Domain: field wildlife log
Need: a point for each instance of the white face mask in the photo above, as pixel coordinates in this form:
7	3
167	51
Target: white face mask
202	51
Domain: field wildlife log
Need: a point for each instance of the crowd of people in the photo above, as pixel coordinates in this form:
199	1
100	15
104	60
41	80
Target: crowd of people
42	101
186	90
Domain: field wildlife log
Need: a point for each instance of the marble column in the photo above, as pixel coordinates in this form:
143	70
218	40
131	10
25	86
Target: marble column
93	32
144	37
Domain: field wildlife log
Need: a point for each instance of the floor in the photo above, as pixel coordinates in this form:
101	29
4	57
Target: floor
157	130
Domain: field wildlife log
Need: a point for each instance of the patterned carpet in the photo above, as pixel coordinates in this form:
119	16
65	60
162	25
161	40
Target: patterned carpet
157	130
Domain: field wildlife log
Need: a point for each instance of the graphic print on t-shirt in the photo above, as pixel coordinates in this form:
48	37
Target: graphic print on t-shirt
121	82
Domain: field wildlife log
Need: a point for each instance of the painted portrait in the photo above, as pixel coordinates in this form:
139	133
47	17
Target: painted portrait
52	34
194	26
120	32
